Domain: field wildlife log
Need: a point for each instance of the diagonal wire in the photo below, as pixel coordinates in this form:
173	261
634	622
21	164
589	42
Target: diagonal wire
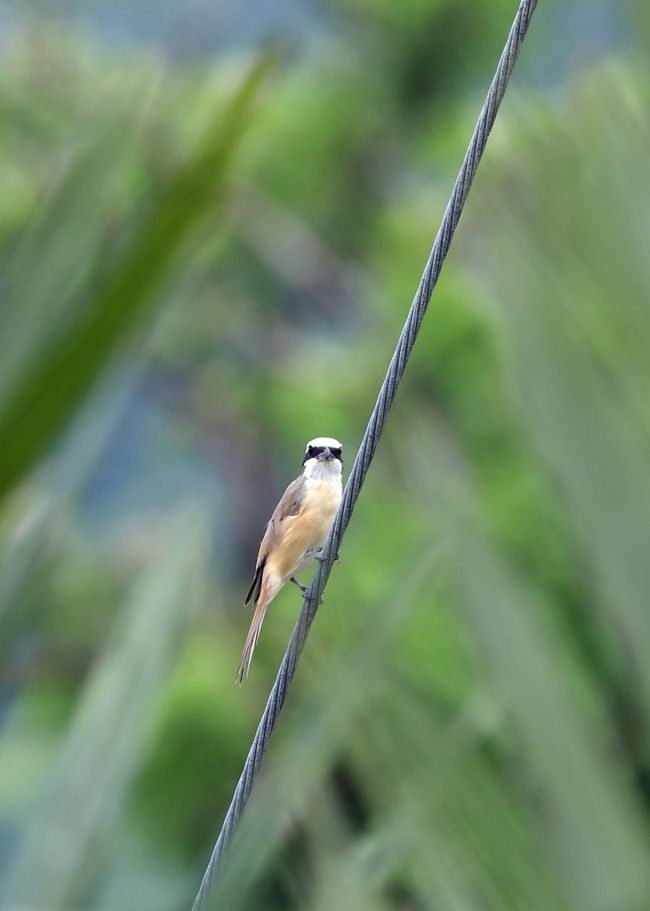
368	445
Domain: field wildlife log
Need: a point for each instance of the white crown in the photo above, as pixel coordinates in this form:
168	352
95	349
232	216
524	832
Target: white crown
324	441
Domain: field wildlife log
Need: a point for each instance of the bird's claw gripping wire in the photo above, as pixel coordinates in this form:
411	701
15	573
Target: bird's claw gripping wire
304	589
320	557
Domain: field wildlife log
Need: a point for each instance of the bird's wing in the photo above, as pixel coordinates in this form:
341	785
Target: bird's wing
289	505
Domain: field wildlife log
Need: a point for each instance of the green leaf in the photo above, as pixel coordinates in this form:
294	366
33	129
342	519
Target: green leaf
64	839
48	395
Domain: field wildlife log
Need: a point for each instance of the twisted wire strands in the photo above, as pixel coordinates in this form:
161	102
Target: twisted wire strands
368	444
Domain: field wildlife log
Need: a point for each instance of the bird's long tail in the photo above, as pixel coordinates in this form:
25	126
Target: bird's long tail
267	592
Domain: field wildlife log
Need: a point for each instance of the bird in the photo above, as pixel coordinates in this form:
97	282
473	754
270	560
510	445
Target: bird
295	533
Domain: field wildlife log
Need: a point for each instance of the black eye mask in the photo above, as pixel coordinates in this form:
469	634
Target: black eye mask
314	451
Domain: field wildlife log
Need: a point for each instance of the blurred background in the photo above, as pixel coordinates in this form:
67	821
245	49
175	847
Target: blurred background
201	269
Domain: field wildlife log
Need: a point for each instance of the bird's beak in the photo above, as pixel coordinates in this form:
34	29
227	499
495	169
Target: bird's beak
325	455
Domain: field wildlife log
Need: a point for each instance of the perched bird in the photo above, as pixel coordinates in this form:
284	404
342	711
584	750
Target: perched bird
295	533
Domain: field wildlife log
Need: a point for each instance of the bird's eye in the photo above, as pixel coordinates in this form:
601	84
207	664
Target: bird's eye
311	451
336	453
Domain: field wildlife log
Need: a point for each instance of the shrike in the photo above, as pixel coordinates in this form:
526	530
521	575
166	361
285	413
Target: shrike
295	533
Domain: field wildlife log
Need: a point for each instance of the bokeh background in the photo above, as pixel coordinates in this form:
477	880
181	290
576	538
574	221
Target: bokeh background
191	287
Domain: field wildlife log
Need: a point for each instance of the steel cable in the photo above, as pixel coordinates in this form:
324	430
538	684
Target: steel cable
368	444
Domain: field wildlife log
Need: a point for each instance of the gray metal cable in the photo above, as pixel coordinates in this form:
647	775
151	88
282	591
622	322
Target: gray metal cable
368	444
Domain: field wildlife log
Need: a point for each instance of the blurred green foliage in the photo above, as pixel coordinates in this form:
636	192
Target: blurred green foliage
468	728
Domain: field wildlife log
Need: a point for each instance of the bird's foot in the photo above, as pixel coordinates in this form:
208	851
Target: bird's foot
322	558
303	588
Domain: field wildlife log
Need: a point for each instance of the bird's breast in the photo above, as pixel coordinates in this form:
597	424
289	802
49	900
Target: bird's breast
310	527
321	501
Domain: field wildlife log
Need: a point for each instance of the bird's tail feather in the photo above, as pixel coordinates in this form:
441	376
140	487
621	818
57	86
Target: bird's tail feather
266	596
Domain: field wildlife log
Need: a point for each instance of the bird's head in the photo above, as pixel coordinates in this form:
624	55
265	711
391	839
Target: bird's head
323	458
